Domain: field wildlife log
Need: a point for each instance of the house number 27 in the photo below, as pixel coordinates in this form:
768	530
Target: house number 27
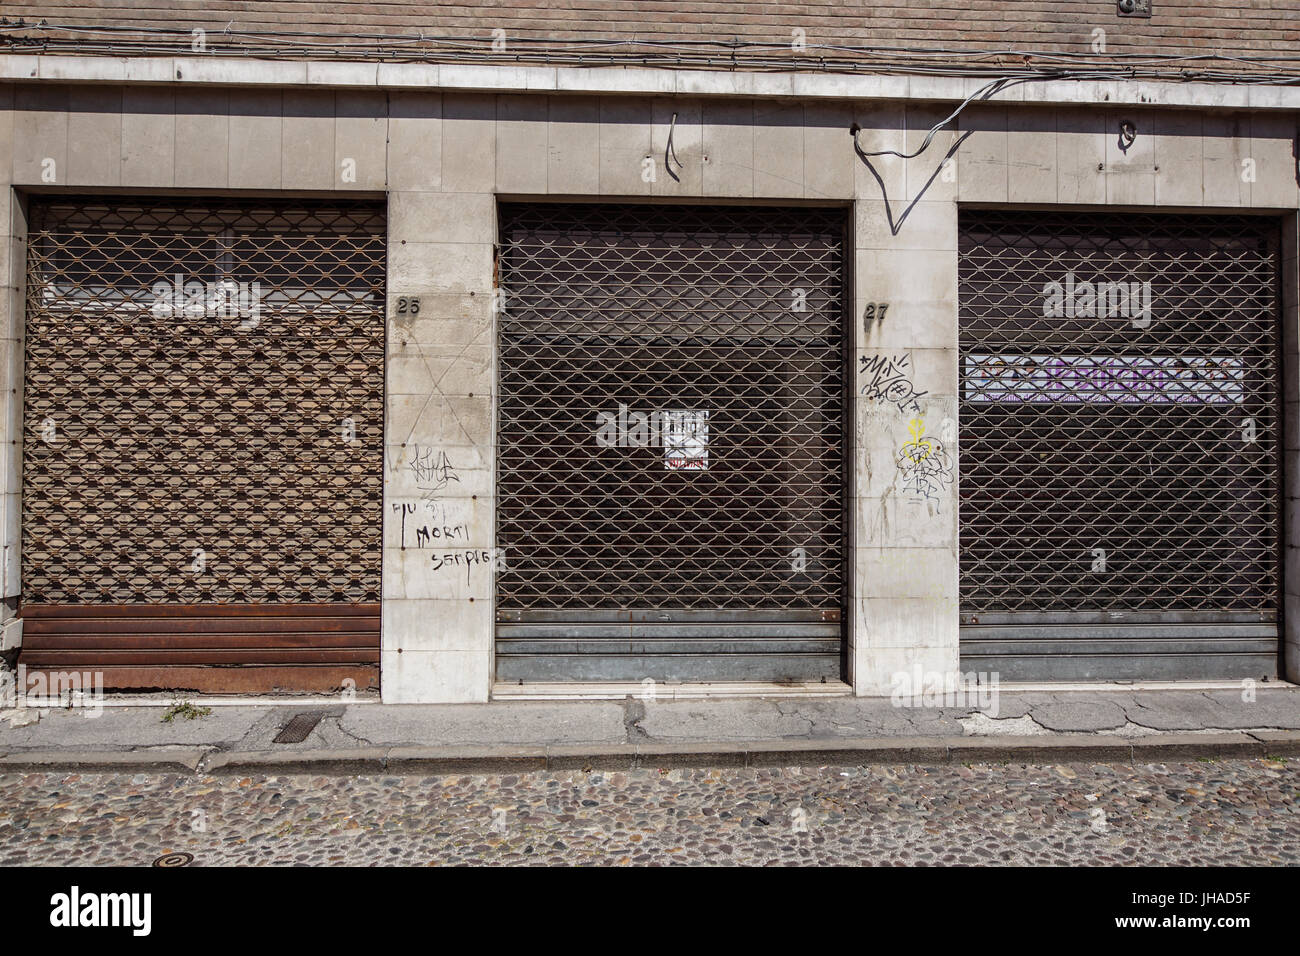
874	312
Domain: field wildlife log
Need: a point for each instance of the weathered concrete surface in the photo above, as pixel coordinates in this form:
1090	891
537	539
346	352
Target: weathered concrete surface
357	737
1081	715
130	728
521	722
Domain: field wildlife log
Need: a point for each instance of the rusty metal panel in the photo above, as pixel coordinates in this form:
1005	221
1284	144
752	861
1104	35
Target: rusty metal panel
671	441
244	679
81	636
1120	429
203	407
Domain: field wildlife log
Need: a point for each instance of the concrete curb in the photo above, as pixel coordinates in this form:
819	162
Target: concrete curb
170	760
843	751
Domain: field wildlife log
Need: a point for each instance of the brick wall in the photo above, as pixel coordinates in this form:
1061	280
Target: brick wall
1177	28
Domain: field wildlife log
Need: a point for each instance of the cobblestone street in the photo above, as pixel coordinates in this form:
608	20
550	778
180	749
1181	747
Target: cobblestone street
1235	812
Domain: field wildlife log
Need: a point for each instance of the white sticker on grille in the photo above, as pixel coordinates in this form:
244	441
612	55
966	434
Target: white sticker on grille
686	440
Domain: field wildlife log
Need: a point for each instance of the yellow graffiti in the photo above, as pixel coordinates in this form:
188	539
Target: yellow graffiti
920	447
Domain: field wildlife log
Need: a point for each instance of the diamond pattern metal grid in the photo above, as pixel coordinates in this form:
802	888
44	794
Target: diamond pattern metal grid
1126	461
674	309
213	423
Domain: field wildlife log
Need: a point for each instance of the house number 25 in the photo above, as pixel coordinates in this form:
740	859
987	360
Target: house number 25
408	305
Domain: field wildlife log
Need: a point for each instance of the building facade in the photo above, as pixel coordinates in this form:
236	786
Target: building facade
480	375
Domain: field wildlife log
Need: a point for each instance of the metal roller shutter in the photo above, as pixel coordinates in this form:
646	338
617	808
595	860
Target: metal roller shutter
202	467
1119	445
706	542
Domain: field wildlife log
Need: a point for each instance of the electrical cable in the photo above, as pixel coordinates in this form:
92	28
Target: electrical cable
983	93
671	150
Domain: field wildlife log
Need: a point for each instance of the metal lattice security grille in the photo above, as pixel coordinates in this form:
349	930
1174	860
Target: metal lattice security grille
204	402
1119	418
671	419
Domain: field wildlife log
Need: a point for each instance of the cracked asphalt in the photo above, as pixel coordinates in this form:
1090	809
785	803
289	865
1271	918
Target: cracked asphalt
1230	812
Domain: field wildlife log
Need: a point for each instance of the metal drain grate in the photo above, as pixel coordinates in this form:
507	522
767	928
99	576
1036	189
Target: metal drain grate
298	727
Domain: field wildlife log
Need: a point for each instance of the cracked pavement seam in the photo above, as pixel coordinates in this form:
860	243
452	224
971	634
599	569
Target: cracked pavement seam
633	714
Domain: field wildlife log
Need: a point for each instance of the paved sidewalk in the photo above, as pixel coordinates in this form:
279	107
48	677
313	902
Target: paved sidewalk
368	737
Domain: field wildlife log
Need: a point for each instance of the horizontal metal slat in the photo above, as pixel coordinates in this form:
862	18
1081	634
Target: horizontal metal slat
1118	632
718	616
130	641
226	679
94	635
677	631
1103	667
80	659
1116	648
1058	618
196	626
197	611
674	667
612	647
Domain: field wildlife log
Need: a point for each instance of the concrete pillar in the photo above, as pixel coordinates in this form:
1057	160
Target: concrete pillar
904	600
12	273
439	554
1270	178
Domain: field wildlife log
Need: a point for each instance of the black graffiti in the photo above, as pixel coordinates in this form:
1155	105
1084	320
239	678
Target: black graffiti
404	510
891	381
425	535
466	559
429	532
433	471
925	465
